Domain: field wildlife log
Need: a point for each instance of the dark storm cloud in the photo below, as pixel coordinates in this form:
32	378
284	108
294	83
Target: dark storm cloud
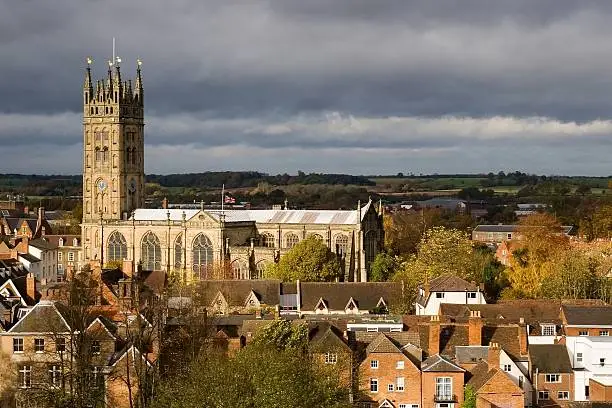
273	75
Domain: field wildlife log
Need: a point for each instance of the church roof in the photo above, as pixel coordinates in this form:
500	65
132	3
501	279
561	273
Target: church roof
332	217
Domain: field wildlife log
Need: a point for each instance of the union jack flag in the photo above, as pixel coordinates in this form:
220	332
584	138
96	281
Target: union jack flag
229	200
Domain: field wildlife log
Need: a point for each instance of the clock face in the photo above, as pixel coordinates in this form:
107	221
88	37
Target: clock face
132	185
102	185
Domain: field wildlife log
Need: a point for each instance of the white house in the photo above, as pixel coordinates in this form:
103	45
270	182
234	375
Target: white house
591	359
46	252
446	289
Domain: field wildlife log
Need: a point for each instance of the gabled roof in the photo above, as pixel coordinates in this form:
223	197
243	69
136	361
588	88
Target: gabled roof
588	316
550	358
481	374
324	336
399	338
44	317
382	344
236	292
507	336
337	295
440	364
445	283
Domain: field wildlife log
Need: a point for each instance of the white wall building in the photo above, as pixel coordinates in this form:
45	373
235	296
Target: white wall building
591	358
47	253
446	289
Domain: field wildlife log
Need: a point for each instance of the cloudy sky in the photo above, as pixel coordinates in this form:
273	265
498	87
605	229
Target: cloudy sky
350	86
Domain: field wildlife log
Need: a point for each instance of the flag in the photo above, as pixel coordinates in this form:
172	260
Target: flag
229	200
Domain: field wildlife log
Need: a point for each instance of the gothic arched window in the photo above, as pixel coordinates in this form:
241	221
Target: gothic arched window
117	247
202	254
150	252
105	155
240	269
267	240
291	240
178	251
342	244
98	156
260	270
371	247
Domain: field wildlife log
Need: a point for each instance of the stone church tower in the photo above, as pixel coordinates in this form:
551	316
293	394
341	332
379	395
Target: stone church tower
113	148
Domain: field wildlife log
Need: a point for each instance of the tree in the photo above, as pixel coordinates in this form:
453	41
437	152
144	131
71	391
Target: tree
384	267
469	397
309	260
282	335
574	276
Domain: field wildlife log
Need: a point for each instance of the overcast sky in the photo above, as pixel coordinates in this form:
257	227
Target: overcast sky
348	86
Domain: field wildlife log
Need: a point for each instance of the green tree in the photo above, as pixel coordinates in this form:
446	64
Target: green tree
309	260
384	267
282	335
469	397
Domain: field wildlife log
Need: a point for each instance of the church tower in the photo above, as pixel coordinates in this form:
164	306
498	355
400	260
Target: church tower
113	145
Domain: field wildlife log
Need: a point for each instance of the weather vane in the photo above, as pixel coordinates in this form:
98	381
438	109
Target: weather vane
89	60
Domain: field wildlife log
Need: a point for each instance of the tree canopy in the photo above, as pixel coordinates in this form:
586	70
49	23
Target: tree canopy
309	260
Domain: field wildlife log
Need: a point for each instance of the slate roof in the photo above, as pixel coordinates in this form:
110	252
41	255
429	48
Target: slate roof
29	257
42	243
440	364
325	217
236	292
44	317
512	228
587	316
337	295
550	358
471	354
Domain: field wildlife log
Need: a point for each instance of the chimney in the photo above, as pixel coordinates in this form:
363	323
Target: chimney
475	328
165	203
434	335
493	355
523	343
31	286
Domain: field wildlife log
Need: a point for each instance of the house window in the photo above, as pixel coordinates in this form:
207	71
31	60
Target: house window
372	329
563	395
391	387
509	236
553	378
39	345
331	358
25	376
439	295
444	389
399	365
548	330
521	381
583	332
70	256
60	345
55	375
17	345
373	385
374	364
602	361
471	295
604	333
59	256
95	347
400	384
543	395
579	357
507	368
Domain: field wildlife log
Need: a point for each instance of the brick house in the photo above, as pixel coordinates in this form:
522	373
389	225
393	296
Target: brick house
552	375
330	349
389	376
443	383
494	387
587	320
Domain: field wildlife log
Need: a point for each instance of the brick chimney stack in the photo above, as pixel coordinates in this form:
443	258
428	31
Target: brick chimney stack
475	325
434	335
523	343
493	355
31	286
165	203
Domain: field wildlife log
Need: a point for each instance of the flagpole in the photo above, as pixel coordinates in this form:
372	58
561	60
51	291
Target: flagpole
222	197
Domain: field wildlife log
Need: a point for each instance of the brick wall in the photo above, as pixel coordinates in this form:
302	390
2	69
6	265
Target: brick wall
429	387
593	331
566	384
388	373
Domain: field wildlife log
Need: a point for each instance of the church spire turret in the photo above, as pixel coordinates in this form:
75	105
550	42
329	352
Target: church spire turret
88	85
138	91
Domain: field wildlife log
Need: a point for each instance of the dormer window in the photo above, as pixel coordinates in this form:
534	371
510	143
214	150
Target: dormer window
471	295
439	295
61	242
548	330
75	242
